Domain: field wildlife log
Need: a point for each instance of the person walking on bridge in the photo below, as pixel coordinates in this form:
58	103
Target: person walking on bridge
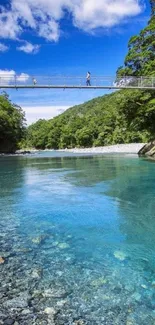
34	81
88	79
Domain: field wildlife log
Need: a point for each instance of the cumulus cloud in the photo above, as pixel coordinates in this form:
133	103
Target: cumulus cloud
89	14
9	76
23	77
44	16
3	48
29	48
9	24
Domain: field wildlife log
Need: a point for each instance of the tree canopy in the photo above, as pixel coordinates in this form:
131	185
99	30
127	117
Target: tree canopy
12	127
140	59
121	117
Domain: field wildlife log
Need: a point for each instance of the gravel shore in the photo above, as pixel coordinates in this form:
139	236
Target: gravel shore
131	148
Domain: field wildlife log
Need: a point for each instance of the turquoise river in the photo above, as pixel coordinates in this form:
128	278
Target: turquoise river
77	240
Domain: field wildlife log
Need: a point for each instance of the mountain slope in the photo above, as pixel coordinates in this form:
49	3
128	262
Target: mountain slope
121	117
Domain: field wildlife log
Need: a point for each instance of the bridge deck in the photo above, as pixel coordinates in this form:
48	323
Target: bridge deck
25	81
74	87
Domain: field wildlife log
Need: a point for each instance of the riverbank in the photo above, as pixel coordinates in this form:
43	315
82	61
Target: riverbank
131	148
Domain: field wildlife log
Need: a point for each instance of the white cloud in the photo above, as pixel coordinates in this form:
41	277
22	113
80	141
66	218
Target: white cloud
3	48
49	30
43	16
33	113
29	48
8	76
23	77
89	14
9	24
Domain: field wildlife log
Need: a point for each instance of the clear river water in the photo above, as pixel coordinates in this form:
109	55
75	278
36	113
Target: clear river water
77	240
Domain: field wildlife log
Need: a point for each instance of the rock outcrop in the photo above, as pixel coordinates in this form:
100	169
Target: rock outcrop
148	150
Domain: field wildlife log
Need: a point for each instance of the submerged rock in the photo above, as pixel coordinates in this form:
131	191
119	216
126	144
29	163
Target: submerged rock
39	239
24	250
120	255
79	322
63	245
129	322
50	311
37	273
61	303
2	260
55	244
99	282
18	302
25	312
9	321
136	296
55	293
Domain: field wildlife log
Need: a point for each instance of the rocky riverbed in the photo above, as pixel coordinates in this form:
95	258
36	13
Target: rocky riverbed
77	241
45	281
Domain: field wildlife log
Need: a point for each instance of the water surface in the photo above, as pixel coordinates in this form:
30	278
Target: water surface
78	237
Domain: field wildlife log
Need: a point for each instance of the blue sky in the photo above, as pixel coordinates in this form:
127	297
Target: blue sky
65	37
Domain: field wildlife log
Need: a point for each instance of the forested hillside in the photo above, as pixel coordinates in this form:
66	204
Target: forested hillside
121	117
12	129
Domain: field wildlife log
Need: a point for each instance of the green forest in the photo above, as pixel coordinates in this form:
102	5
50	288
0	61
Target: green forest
12	125
123	116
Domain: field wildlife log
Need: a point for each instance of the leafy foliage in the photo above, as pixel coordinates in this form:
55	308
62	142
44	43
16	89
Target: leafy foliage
140	60
12	128
152	4
121	117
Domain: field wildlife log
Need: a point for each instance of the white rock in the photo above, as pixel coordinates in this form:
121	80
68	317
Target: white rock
50	311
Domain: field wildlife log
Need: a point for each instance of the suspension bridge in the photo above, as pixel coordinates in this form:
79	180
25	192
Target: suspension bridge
25	81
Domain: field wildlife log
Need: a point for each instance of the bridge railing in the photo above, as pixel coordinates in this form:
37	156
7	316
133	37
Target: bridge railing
137	82
72	81
56	81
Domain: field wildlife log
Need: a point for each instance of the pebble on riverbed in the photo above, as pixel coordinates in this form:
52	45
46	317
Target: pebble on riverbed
37	273
63	245
99	282
79	322
50	311
120	255
39	239
2	260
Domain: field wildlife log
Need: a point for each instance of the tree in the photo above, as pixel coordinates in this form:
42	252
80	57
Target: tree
152	3
12	125
84	137
140	60
37	134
